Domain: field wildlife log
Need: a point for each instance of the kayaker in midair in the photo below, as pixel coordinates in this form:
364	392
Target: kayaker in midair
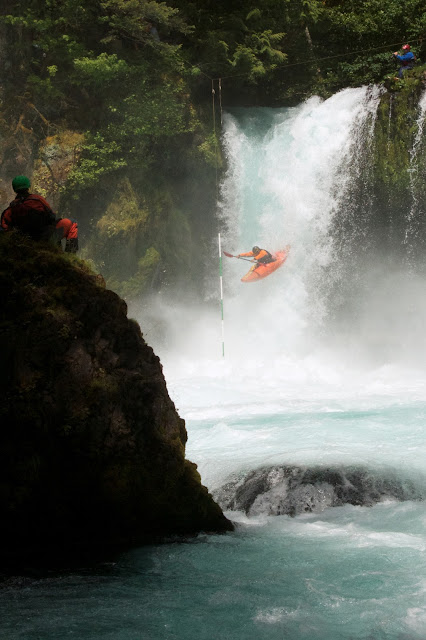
265	263
260	255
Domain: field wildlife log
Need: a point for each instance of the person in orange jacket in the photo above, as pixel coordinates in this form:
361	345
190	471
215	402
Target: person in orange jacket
68	228
260	255
32	215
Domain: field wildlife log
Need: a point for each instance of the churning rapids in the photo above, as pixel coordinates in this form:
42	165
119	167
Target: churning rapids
310	432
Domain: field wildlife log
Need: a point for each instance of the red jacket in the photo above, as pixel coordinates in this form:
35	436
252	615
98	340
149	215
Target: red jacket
67	228
30	213
263	256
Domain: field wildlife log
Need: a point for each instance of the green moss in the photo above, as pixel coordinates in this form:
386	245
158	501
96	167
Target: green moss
138	284
210	151
394	133
125	214
102	385
57	157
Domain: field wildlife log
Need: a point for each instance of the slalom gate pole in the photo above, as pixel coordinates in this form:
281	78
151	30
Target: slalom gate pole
221	296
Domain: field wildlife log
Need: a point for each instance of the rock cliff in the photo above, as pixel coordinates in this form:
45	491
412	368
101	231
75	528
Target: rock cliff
92	450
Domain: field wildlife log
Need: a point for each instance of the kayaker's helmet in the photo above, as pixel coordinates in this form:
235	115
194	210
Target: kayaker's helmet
406	47
256	249
20	183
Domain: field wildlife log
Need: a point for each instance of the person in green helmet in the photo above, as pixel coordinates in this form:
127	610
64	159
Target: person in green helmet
29	213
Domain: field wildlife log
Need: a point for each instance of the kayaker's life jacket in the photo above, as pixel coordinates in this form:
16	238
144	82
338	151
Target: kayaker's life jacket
31	214
407	59
264	257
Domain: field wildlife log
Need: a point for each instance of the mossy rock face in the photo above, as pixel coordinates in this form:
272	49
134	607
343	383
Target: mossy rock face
124	235
398	163
395	130
57	156
91	446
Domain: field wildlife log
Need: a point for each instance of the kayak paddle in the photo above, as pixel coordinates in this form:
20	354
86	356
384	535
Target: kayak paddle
229	255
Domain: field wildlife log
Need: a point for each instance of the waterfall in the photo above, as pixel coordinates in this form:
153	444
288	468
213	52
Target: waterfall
417	182
289	180
305	176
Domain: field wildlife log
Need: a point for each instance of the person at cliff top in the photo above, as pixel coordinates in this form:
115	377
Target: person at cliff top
31	214
260	255
68	228
407	59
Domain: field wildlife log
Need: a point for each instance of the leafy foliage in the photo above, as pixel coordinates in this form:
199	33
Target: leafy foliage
135	79
362	36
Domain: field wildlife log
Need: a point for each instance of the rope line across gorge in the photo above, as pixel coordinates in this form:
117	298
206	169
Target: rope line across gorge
310	60
284	66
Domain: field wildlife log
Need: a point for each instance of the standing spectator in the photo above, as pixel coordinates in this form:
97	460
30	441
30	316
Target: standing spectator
407	60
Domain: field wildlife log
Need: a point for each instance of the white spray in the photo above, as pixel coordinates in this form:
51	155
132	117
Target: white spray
288	173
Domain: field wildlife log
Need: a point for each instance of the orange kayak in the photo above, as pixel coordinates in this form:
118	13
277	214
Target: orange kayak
257	272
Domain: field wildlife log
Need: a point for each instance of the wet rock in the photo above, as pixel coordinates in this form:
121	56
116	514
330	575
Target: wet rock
92	450
287	490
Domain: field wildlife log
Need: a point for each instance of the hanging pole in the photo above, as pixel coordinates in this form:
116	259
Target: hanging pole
221	296
215	139
220	100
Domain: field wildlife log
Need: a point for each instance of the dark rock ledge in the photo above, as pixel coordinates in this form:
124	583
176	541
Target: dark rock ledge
92	450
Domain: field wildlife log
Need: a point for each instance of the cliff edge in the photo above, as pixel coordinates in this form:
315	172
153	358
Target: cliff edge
92	450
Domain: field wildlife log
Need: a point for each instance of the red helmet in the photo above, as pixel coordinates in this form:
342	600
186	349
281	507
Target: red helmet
406	47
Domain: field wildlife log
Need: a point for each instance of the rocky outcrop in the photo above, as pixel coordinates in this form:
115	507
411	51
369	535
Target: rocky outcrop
92	450
291	490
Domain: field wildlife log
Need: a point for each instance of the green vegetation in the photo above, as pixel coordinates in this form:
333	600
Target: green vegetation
354	40
132	81
393	175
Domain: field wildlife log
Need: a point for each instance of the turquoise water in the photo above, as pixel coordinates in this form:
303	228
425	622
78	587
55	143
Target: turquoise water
350	572
294	389
344	573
